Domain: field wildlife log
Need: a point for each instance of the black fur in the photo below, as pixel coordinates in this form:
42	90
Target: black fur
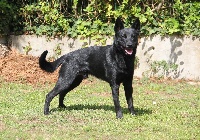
113	64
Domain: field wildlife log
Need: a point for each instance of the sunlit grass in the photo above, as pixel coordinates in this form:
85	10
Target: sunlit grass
165	110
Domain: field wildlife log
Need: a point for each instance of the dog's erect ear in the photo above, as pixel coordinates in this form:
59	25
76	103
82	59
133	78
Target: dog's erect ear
118	25
136	25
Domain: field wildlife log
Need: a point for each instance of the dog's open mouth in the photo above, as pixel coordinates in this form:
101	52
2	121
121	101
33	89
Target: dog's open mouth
128	51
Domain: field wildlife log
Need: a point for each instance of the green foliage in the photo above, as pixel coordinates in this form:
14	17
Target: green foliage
162	68
191	18
27	48
96	18
57	51
6	15
96	30
42	19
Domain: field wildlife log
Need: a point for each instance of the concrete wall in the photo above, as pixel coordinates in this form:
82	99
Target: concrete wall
40	44
184	51
181	50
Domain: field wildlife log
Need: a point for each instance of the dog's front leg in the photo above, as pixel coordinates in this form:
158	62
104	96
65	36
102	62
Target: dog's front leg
115	95
128	93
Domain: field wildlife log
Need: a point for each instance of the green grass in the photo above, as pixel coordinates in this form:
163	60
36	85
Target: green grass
165	110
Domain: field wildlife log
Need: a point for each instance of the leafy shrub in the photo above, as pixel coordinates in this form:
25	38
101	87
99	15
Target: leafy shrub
162	68
96	18
190	18
6	14
42	19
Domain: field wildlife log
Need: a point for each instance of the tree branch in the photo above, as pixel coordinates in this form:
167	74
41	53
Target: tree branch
157	8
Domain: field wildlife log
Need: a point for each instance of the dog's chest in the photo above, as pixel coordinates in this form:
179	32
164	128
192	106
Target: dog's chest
124	65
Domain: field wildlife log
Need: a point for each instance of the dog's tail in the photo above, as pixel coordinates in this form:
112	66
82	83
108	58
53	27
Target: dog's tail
49	66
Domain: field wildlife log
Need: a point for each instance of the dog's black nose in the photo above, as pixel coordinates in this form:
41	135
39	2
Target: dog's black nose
129	46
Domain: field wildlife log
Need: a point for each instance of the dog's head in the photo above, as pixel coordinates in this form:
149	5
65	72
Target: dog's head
126	39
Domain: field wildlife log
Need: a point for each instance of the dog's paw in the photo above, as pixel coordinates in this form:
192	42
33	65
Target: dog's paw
46	112
132	112
119	115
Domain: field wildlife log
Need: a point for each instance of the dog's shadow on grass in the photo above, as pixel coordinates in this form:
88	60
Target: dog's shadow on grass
138	111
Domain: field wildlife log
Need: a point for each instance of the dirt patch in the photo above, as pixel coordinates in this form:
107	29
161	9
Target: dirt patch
24	68
16	67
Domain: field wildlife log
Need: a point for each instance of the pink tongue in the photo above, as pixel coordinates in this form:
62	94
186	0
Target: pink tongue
129	51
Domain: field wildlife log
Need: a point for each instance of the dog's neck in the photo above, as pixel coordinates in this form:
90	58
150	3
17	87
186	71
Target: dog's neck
123	61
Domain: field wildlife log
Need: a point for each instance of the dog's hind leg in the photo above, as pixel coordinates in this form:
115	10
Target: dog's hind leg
49	97
67	75
59	88
74	84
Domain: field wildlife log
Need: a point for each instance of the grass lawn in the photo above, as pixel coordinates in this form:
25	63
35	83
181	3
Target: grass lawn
165	111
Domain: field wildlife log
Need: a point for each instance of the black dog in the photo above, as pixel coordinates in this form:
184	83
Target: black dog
113	64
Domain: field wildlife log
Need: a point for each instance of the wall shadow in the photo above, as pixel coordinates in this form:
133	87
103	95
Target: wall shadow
139	111
176	42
